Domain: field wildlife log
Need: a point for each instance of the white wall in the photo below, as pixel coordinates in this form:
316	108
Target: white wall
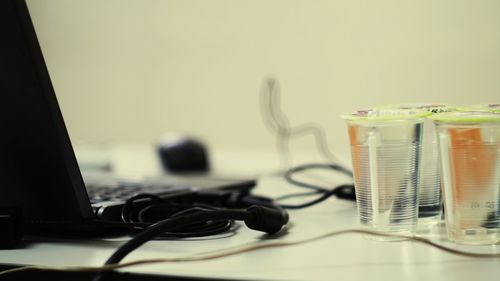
127	71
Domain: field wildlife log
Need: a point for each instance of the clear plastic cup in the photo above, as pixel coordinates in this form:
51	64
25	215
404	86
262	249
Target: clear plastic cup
430	199
470	156
385	150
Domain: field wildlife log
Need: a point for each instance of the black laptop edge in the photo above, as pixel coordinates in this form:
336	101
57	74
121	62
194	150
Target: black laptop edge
31	175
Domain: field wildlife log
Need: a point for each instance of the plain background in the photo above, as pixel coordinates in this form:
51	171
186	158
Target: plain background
130	70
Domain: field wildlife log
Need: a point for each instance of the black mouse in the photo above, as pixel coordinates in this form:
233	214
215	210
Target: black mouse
182	154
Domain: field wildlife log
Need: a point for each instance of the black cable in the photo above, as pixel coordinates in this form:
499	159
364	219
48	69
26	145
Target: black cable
323	197
300	194
125	213
138	215
166	226
256	217
289	174
169	224
345	191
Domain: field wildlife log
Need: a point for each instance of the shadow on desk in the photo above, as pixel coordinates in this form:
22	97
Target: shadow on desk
87	276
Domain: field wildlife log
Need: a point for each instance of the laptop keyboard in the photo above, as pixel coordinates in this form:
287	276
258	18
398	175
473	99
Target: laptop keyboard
108	193
120	192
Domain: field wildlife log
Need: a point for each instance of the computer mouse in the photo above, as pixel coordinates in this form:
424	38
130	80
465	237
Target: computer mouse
183	154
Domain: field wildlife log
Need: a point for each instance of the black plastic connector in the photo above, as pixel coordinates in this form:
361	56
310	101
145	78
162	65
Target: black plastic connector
269	220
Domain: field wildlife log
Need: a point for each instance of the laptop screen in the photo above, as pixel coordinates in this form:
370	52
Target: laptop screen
38	169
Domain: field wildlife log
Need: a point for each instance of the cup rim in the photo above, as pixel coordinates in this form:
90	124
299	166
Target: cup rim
489	107
463	117
386	114
432	107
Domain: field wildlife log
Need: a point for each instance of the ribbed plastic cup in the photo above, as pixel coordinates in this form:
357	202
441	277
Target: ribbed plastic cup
470	155
430	199
385	151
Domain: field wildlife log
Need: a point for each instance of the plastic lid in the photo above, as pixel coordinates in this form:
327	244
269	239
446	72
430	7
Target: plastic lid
463	117
430	107
491	107
386	114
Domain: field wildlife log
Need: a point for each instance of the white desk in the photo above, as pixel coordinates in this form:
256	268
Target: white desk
346	257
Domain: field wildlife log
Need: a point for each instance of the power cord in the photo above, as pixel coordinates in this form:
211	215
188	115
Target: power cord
249	248
259	218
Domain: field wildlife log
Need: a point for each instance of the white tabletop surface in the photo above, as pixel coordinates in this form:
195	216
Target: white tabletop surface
345	257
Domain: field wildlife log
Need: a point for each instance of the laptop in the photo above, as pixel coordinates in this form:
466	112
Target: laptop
39	173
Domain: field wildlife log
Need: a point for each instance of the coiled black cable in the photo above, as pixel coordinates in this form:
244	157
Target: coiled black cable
259	218
158	209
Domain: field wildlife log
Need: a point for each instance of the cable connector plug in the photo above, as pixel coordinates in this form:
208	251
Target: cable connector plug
266	219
